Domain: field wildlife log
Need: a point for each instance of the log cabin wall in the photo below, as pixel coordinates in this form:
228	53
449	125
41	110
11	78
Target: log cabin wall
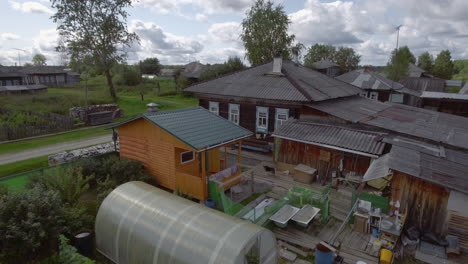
248	111
143	141
292	152
426	202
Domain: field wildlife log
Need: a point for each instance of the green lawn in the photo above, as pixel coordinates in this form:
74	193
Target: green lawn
22	166
44	141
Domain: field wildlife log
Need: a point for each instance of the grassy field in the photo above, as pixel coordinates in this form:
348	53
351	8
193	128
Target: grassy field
22	166
59	100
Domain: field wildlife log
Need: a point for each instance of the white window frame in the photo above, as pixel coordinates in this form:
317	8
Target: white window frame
397	98
259	128
280	112
234	117
187	161
372	94
214	105
363	94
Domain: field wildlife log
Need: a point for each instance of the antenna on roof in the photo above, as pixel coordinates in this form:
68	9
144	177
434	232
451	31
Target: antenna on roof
19	57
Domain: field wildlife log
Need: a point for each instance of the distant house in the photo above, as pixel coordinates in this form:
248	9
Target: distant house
194	70
45	75
22	89
415	71
168	73
262	98
180	148
327	67
377	87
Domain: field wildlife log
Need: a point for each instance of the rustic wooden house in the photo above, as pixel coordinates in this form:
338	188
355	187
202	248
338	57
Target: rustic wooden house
29	75
430	182
262	98
377	87
452	103
327	67
181	148
343	150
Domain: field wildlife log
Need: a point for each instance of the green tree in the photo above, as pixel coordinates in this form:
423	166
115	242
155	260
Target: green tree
318	52
398	65
39	60
95	28
405	51
347	59
426	61
30	223
233	64
150	66
443	65
265	33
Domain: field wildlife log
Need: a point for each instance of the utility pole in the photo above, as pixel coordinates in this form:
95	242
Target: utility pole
398	35
19	57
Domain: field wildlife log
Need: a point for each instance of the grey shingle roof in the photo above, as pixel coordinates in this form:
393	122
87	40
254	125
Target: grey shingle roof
374	81
298	84
369	142
196	126
194	70
412	121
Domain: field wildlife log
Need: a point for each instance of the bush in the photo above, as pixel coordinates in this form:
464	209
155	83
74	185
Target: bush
68	182
128	75
30	223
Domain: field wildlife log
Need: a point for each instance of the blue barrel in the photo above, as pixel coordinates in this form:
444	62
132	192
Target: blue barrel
210	203
323	255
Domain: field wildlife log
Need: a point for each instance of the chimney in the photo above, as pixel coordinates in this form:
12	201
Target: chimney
277	65
152	108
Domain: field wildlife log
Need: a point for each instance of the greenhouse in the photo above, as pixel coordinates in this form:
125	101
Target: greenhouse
138	223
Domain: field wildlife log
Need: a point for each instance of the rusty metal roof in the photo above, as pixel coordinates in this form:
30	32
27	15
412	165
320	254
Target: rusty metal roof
412	121
334	135
296	83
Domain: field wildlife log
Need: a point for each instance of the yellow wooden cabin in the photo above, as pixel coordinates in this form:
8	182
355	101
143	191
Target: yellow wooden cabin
181	148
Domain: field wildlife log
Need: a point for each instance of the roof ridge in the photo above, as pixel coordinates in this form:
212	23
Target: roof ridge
341	126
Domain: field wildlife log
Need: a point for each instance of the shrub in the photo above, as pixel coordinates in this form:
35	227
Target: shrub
68	182
69	254
30	223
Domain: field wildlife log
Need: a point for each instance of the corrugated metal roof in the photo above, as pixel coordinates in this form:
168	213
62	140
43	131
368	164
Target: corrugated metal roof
423	84
298	83
369	142
369	80
412	121
430	162
439	95
196	126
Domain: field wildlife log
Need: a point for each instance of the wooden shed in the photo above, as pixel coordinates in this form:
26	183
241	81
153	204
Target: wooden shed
180	148
327	147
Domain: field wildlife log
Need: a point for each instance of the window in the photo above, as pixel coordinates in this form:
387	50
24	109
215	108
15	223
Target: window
262	119
214	108
373	95
363	94
234	113
396	98
282	116
186	157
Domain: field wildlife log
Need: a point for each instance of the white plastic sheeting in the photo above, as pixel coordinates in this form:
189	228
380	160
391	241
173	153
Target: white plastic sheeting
138	223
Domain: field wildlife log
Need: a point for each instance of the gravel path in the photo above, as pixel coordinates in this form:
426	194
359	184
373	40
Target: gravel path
52	149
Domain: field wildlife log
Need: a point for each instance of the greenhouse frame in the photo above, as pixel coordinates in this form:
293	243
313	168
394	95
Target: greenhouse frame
139	223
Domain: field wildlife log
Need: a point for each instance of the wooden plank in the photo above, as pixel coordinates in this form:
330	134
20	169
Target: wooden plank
293	248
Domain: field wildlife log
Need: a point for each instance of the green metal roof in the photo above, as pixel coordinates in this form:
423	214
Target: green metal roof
196	126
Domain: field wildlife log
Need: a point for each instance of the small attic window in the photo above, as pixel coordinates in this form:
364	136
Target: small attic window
186	157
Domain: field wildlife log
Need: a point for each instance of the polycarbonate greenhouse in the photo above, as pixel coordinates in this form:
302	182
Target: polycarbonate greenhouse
138	223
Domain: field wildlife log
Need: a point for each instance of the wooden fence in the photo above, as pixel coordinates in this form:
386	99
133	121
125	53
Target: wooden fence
46	123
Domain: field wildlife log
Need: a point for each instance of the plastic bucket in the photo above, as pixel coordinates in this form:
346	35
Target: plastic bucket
323	255
83	242
210	203
385	256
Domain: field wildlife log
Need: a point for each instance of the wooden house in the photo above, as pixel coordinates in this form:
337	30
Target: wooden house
181	148
29	75
377	87
263	97
327	67
329	148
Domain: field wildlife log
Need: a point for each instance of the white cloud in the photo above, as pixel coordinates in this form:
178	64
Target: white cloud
201	17
8	36
210	6
227	33
30	7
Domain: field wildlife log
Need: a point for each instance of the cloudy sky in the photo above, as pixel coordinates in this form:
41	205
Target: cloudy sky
179	31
